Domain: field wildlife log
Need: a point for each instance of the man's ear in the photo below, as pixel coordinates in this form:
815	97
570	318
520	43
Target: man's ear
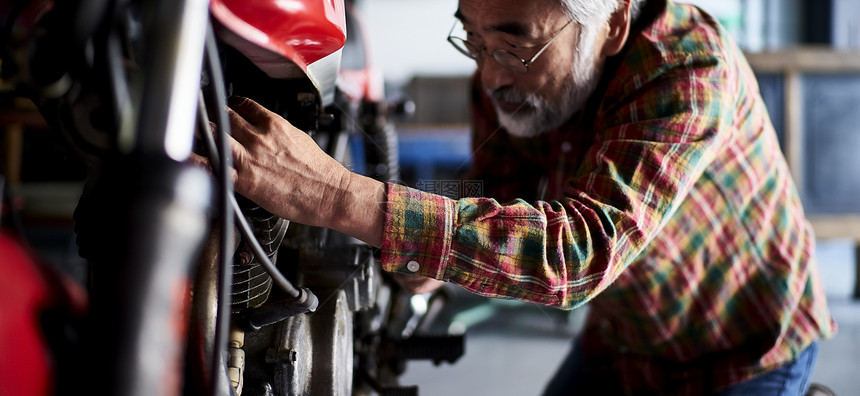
619	29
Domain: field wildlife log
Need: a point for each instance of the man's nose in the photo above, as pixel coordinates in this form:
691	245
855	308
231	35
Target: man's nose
494	75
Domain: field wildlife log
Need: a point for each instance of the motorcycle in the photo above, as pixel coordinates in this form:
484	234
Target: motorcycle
194	289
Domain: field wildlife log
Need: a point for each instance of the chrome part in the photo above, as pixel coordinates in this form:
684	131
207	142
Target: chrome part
331	329
172	79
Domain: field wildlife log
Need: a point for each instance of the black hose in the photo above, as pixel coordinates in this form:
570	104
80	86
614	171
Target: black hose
225	273
261	255
230	211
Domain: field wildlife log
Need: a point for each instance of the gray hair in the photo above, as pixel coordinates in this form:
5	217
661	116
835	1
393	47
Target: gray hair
592	12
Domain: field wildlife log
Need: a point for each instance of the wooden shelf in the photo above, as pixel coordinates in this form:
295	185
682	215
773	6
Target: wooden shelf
836	226
805	59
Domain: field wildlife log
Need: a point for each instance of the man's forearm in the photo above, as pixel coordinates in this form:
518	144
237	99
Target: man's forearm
362	215
360	210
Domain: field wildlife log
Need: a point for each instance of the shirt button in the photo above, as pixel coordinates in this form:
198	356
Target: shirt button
566	147
413	266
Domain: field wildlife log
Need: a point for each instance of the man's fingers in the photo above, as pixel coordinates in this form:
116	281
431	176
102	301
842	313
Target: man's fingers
205	164
200	161
240	128
251	111
239	151
239	154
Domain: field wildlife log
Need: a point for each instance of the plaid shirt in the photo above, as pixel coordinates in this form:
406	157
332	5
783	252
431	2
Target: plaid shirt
669	209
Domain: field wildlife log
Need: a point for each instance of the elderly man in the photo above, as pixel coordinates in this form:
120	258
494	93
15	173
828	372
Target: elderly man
629	162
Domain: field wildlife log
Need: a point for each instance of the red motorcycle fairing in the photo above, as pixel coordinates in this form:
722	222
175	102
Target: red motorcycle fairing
27	290
25	366
308	33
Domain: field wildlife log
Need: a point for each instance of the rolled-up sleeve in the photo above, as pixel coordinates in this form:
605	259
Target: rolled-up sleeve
418	230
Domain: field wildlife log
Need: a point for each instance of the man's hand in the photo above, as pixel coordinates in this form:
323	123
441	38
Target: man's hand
282	169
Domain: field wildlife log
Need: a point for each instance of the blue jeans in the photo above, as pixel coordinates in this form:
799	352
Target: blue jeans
792	379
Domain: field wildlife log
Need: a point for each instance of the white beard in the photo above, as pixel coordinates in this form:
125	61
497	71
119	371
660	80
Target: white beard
540	115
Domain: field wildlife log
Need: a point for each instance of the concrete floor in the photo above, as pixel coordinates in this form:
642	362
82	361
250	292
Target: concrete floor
513	349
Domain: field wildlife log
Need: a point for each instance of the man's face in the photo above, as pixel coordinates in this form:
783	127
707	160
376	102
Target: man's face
556	85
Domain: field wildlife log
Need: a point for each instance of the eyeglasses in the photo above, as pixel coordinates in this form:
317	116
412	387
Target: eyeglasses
505	58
